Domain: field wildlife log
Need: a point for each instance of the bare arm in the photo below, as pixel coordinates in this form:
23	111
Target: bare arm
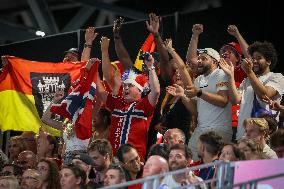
153	26
260	90
46	117
186	79
178	91
108	69
120	49
228	68
191	55
90	36
101	90
233	30
153	96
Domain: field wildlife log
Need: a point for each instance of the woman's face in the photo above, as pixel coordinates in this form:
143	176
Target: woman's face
14	149
245	150
43	170
228	154
68	179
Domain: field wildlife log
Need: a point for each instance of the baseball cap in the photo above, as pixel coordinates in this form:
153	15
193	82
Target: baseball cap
85	158
234	46
73	51
138	80
211	52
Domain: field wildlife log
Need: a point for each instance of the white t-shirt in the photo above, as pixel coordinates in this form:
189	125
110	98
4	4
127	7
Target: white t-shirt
274	80
209	115
73	143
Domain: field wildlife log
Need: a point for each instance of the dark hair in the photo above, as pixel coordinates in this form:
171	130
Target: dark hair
103	146
122	150
212	141
266	49
18	171
53	178
277	139
106	115
236	151
52	140
78	173
184	148
122	174
160	150
272	123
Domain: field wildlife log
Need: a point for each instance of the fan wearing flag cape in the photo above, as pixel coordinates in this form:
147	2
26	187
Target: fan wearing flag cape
131	114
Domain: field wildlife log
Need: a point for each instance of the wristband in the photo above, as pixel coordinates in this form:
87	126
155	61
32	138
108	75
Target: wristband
199	93
87	45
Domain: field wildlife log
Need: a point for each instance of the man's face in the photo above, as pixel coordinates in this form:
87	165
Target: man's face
99	160
200	149
130	92
70	57
253	132
68	179
131	161
26	161
260	64
177	160
29	138
151	167
14	149
112	177
43	146
229	55
171	138
204	64
30	180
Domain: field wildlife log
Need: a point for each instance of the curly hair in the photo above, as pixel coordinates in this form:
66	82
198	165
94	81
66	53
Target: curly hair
267	50
53	178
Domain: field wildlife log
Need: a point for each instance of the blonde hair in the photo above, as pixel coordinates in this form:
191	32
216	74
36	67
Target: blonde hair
260	122
13	182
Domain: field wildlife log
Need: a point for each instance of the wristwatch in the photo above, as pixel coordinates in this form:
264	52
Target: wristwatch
87	45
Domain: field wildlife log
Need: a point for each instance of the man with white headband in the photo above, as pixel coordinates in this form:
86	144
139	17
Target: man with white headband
131	114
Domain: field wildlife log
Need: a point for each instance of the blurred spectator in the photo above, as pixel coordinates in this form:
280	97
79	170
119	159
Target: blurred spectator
16	146
30	179
230	153
9	182
160	150
114	175
277	142
29	138
251	149
72	177
49	174
27	160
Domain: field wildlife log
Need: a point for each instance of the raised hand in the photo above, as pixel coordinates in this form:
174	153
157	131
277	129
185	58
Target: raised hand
169	44
191	91
233	30
90	35
197	29
247	65
154	23
117	78
175	90
150	62
160	128
272	104
117	26
104	43
227	67
58	96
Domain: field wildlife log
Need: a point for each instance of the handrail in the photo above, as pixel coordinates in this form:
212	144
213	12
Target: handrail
151	179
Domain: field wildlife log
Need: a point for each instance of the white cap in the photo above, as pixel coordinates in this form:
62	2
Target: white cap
211	52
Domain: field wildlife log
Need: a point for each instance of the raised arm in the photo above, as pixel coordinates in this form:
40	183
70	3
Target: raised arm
120	49
153	96
153	26
46	117
228	68
233	30
191	55
100	92
178	91
186	79
90	36
108	69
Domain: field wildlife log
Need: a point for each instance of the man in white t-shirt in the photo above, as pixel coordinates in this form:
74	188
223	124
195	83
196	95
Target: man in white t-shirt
260	81
210	102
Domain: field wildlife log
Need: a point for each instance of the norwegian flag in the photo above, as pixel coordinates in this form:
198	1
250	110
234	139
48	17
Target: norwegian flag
78	105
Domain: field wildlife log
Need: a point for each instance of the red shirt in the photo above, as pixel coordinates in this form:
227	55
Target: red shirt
129	123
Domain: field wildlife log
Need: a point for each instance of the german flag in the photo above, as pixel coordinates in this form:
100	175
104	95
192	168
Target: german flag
148	46
27	88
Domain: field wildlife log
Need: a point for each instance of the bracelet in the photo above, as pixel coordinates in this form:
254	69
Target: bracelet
199	93
87	45
156	36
